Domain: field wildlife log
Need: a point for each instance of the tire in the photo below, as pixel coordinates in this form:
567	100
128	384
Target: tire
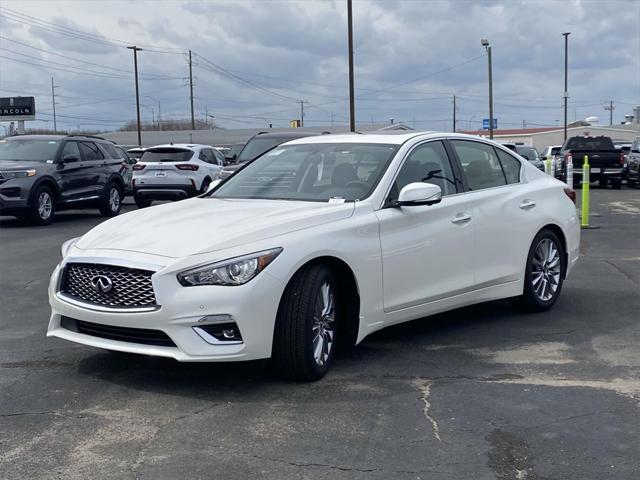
205	184
111	204
42	208
616	184
631	183
141	202
535	297
602	182
308	306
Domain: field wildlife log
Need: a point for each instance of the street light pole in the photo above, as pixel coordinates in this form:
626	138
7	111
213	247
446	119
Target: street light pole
566	78
135	68
352	105
485	43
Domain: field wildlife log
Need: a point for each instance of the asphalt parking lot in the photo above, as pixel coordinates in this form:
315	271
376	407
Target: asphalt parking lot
482	392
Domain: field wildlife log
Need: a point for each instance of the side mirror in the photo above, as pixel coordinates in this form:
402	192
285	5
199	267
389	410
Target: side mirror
69	158
213	185
231	158
419	193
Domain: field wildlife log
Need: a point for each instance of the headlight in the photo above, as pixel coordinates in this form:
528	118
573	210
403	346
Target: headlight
234	271
9	174
67	246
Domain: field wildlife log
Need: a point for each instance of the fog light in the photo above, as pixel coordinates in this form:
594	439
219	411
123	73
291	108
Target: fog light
220	333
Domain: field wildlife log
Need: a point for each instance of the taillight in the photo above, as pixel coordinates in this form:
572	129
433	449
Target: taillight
187	166
138	167
622	159
571	193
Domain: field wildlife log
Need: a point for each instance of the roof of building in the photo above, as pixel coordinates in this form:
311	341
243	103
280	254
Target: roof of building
514	131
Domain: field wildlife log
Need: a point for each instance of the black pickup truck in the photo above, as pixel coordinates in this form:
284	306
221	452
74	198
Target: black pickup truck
606	162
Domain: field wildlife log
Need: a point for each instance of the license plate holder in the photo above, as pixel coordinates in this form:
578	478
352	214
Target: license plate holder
161	173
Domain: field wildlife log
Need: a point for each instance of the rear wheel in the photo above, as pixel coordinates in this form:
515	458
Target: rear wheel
602	182
631	182
112	202
616	184
544	273
41	211
205	185
305	333
140	201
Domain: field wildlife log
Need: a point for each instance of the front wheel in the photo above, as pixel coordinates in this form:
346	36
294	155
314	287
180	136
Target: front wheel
544	273
41	211
112	202
305	333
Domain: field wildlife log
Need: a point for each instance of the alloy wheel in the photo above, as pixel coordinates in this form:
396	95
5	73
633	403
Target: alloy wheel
546	269
45	205
324	324
114	199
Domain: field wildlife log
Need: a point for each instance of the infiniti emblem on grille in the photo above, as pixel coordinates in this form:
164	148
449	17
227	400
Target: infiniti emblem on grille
101	284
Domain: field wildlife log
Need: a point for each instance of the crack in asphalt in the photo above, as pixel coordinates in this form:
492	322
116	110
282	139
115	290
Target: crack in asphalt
629	277
424	386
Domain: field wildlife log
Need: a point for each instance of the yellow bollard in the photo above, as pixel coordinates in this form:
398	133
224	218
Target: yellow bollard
585	193
548	165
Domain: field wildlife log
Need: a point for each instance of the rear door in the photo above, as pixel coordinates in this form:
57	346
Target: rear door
95	168
502	211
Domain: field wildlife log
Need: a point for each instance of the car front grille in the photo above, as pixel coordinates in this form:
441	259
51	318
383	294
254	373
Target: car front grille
108	286
141	336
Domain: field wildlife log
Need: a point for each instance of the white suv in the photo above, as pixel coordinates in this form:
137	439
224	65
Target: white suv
174	172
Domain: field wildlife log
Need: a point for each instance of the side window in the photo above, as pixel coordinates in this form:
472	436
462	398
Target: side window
427	163
90	151
71	148
111	151
219	157
203	156
480	164
510	165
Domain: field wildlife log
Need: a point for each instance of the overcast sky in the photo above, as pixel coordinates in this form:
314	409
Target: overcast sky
253	60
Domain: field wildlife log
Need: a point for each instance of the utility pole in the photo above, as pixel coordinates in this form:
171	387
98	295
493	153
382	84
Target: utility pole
352	105
53	101
611	108
193	122
566	78
135	69
332	119
301	102
454	114
524	124
159	117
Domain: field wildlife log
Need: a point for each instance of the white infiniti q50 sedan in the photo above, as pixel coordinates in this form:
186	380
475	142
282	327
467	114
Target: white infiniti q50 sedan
321	241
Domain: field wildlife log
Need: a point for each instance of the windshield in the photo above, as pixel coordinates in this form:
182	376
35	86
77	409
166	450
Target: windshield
29	149
314	172
166	155
235	149
257	146
529	153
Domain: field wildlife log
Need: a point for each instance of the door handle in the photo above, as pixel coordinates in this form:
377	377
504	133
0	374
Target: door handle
461	218
527	204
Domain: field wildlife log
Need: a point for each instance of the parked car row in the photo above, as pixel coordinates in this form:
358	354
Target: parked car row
610	162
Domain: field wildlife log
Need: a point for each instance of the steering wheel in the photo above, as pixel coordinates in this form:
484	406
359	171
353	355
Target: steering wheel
358	183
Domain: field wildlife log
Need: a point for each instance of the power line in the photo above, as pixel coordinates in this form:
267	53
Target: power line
49	52
18	17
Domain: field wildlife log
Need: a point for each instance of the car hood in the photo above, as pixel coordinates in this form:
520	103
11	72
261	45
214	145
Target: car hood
201	225
19	164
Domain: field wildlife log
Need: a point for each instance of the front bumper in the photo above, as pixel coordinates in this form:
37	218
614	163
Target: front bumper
253	307
14	196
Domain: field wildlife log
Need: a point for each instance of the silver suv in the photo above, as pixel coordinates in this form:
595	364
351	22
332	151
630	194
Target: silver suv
174	172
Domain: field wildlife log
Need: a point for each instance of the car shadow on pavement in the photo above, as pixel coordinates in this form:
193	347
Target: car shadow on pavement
212	380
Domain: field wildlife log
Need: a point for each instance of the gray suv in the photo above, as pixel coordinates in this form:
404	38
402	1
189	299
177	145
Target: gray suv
40	174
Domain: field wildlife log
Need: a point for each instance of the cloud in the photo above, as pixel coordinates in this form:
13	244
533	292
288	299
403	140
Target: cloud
297	49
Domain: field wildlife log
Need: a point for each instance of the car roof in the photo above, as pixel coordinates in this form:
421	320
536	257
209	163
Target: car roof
388	138
190	146
291	135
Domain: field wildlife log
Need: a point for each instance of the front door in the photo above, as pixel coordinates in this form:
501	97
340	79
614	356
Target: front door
70	170
427	251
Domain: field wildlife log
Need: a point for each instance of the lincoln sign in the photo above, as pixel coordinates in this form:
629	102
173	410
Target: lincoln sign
17	108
